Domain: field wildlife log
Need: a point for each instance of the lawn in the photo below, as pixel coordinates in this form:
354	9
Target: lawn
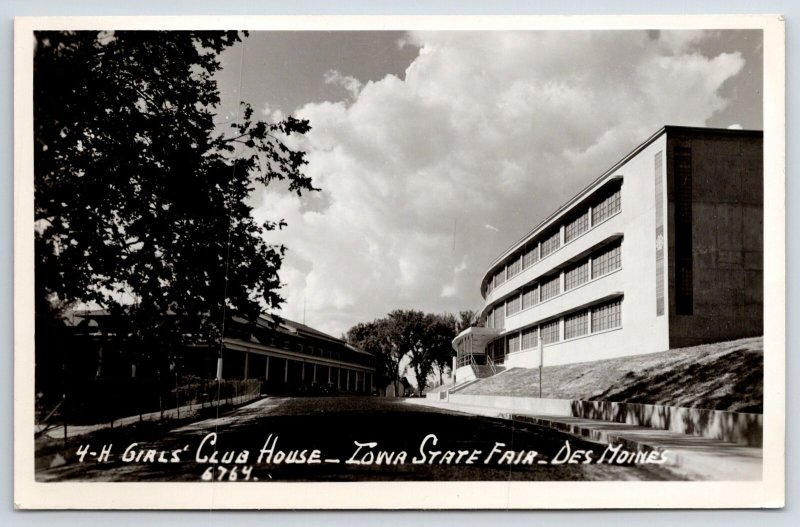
720	376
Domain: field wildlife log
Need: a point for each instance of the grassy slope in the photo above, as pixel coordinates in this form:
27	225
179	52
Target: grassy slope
720	376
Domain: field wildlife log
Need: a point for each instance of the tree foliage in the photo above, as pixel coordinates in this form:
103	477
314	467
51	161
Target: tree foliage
140	193
424	339
466	319
376	337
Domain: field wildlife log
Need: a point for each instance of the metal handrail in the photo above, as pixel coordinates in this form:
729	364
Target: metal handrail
490	362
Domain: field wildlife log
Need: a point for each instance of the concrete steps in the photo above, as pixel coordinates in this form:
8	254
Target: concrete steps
485	371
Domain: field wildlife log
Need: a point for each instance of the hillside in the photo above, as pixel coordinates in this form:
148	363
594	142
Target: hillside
719	376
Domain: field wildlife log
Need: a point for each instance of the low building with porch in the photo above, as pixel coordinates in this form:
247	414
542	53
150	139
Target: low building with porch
287	357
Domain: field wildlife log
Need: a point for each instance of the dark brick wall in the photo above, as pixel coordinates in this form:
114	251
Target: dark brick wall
724	235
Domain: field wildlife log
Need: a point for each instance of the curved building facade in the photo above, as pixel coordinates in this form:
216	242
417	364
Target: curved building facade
663	250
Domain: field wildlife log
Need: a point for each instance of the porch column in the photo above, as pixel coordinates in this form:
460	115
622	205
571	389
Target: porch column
246	364
286	372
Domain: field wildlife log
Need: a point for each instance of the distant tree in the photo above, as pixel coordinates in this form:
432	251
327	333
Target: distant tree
444	329
376	337
411	334
466	319
424	338
140	200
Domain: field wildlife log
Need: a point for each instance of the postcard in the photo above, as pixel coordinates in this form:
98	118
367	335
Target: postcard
399	262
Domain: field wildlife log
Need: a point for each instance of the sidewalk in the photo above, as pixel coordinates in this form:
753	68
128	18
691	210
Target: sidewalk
57	432
693	457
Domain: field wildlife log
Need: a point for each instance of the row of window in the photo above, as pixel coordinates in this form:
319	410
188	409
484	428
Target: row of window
592	215
594	266
593	320
276	341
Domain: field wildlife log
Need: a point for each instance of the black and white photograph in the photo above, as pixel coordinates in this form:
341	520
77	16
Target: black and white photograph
354	263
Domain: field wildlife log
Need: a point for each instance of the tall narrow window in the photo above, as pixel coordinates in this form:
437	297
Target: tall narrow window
500	277
684	279
659	176
530	338
514	267
499	317
512	305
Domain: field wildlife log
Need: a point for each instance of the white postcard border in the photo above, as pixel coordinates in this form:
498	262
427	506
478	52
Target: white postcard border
407	495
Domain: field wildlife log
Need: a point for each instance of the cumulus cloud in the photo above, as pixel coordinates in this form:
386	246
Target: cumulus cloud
491	131
348	82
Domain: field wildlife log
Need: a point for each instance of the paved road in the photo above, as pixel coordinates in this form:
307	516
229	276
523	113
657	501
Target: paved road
334	439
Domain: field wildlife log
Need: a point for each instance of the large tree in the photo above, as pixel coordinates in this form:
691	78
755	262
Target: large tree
424	339
141	191
376	337
444	329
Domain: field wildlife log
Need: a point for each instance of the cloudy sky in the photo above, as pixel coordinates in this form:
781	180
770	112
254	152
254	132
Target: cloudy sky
436	151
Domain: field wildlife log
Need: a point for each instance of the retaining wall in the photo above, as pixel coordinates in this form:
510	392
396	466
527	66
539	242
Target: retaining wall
733	427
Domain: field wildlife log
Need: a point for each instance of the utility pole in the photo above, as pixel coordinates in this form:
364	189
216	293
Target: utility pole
541	363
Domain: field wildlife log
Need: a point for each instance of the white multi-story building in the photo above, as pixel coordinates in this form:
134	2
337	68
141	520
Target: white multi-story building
664	250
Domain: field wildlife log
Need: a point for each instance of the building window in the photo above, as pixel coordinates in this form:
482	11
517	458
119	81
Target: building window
607	316
550	332
499	318
659	234
576	325
513	343
490	318
500	277
606	208
512	305
576	227
531	257
490	286
576	276
530	297
551	244
530	338
514	267
551	288
606	261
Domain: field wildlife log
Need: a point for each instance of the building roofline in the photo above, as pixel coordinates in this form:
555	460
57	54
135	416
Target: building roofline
599	180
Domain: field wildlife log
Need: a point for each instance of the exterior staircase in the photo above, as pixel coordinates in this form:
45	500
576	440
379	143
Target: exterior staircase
483	371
